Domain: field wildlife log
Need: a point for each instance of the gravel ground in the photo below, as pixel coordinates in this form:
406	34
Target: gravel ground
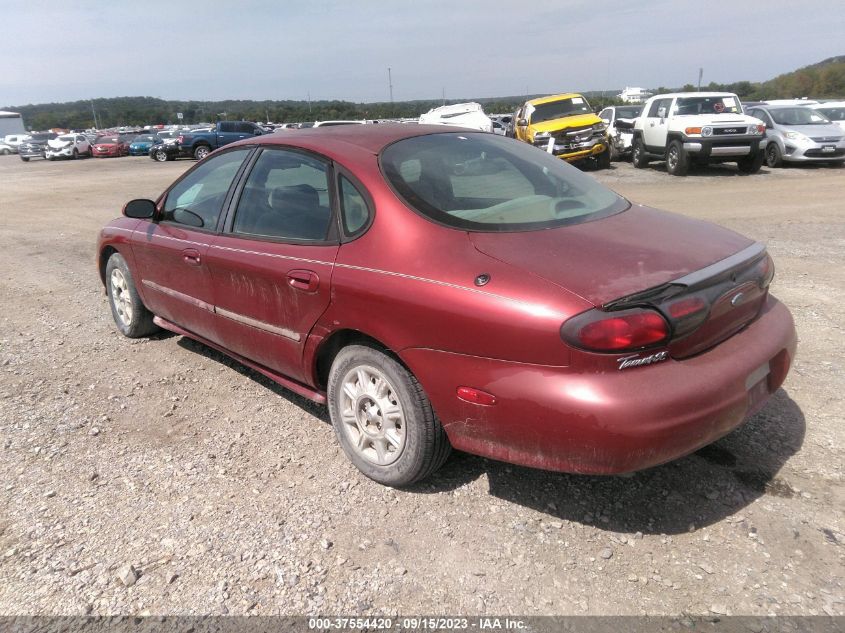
157	476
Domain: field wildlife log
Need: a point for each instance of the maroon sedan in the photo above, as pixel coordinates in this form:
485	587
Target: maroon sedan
441	288
105	146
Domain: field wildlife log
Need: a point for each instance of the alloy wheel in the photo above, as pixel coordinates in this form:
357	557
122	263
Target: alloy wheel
372	416
120	297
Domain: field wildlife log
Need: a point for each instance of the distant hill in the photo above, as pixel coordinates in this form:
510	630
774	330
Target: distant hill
826	79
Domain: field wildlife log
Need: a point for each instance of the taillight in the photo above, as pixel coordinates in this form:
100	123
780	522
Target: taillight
687	314
615	331
765	271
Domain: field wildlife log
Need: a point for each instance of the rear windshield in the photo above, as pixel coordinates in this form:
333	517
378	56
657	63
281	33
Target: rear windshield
105	139
484	182
44	136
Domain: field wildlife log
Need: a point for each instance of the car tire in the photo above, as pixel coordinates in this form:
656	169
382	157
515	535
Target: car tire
395	451
774	158
160	156
130	314
677	159
639	159
25	159
75	154
201	151
751	164
5	152
603	160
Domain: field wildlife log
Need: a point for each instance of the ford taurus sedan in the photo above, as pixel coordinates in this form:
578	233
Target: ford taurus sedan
440	288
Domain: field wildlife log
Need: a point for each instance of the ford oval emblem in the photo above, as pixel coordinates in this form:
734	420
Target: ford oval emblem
737	299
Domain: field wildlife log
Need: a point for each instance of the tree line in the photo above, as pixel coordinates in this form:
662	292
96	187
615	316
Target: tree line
823	80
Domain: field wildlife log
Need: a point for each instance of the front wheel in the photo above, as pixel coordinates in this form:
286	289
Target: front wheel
201	152
774	158
751	164
638	156
677	160
160	156
75	154
130	314
603	159
383	419
5	152
25	159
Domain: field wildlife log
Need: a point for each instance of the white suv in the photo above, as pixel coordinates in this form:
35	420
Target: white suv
704	127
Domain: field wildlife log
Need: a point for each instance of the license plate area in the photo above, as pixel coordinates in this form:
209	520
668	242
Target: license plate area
828	149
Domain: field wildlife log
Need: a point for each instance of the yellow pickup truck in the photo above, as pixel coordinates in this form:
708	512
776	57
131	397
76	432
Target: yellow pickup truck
564	125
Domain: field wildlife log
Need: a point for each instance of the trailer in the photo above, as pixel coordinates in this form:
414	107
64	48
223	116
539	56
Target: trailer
11	123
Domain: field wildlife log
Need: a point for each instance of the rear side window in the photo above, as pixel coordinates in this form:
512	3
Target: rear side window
484	182
285	197
197	199
356	212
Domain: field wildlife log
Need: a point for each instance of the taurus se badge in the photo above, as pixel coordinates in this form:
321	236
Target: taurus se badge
635	361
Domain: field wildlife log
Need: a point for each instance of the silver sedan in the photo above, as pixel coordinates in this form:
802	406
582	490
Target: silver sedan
799	134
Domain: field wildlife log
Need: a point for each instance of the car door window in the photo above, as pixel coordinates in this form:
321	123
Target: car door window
285	197
197	199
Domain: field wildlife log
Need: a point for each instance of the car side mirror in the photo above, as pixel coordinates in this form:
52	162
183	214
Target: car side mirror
141	209
522	122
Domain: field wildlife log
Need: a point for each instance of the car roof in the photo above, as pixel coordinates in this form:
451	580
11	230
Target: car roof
829	104
670	95
551	98
370	138
780	106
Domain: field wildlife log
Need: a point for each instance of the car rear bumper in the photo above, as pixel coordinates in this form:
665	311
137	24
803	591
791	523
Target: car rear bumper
557	419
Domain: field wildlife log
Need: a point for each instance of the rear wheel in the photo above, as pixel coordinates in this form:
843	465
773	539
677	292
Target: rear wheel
677	160
383	419
75	154
25	159
751	164
774	158
5	152
201	152
638	156
130	314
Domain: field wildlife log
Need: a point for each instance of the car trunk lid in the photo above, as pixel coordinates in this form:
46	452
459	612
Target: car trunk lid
706	280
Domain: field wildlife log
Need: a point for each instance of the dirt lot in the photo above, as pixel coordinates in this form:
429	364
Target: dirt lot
227	494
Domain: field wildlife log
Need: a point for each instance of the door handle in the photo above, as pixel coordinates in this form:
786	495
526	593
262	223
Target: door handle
191	256
306	280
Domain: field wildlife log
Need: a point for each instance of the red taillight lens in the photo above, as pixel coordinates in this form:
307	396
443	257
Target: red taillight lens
765	271
686	307
687	314
615	331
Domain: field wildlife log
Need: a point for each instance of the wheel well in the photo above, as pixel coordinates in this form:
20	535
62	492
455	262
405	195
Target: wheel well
330	348
106	253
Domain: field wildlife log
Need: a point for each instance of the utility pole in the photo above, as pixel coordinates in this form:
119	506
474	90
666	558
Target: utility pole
443	93
94	112
390	85
309	102
700	75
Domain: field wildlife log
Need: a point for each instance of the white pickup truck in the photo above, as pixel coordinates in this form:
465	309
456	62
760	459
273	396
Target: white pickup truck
700	127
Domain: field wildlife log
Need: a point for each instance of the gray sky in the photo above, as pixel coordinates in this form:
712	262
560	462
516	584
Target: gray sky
64	50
